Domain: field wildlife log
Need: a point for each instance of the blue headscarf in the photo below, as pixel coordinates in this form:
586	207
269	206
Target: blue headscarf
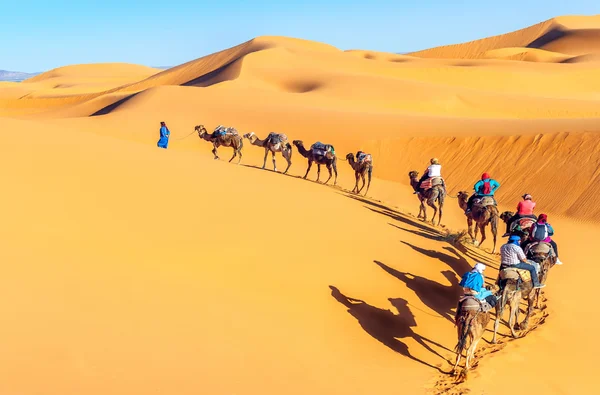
514	240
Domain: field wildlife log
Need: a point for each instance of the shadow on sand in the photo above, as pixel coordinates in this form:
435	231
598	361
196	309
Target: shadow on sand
439	298
387	327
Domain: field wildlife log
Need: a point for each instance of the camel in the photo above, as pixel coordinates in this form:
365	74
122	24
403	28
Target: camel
365	167
482	216
470	323
320	157
273	143
512	292
436	192
230	139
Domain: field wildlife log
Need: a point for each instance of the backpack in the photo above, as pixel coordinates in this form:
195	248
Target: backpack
539	232
487	187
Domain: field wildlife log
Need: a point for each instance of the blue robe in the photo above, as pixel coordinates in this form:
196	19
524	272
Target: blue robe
163	141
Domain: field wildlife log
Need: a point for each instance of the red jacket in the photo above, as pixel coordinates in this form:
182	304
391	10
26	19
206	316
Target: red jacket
525	207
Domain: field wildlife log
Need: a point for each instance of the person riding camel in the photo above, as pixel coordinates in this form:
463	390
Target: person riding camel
524	210
433	170
472	283
484	187
512	255
541	231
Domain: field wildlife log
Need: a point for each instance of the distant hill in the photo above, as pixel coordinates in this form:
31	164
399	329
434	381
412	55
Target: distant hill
15	76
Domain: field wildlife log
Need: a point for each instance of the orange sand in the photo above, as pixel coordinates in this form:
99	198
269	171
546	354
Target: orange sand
131	269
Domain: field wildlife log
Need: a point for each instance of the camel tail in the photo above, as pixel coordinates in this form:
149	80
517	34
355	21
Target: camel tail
462	338
288	146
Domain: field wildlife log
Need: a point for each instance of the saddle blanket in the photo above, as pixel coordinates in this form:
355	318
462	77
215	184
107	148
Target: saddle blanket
362	158
431	182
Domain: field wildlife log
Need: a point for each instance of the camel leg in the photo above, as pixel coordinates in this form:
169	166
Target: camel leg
214	151
362	177
287	155
329	169
470	227
274	164
355	190
435	210
307	170
471	352
476	226
482	234
239	152
494	226
265	158
530	302
234	154
318	171
499	312
514	315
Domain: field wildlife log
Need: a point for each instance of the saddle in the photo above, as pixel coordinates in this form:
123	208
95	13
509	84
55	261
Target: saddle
276	138
471	303
224	131
539	249
363	158
431	182
484	201
522	224
321	149
511	273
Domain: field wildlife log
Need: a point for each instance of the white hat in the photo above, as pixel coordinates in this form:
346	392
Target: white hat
479	267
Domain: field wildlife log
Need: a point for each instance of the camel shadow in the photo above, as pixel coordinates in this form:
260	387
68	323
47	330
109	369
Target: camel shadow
387	327
396	215
321	182
456	261
428	235
439	298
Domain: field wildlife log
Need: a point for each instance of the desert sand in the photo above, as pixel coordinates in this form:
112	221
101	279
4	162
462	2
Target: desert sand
132	269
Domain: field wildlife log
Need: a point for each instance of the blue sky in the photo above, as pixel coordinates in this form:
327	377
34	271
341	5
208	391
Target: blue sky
39	35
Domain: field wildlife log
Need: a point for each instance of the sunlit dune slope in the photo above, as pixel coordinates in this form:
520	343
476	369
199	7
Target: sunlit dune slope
568	35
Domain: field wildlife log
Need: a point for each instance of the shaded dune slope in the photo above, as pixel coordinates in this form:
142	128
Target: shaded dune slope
568	36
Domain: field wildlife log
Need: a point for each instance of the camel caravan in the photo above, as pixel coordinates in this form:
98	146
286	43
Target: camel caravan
318	153
525	260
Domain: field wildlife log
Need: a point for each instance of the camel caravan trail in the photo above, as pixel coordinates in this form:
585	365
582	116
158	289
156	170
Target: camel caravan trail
137	266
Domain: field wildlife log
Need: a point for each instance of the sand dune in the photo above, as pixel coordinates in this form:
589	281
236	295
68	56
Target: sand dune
138	270
571	35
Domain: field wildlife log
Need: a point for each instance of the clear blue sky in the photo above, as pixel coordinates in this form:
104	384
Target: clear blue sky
38	35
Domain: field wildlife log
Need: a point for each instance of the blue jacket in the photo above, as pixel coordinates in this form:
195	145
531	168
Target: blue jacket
164	132
473	280
479	187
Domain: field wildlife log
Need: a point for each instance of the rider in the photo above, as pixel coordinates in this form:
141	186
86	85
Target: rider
433	170
484	187
524	210
542	231
512	255
472	282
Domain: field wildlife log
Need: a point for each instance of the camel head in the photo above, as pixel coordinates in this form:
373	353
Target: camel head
249	135
350	156
200	129
505	216
463	196
413	174
298	143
